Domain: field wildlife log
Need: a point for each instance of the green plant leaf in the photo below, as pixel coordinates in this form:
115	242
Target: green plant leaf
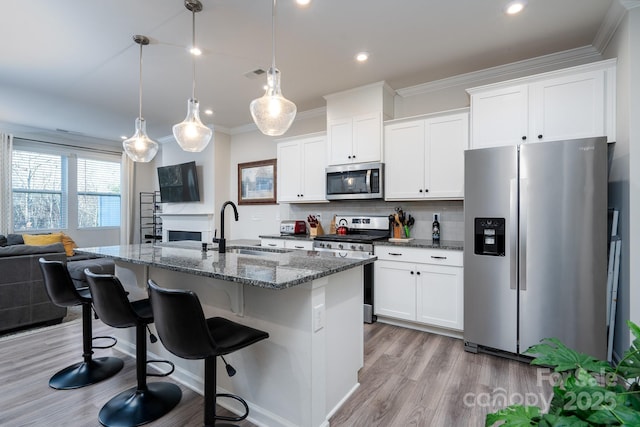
629	366
515	416
552	352
550	420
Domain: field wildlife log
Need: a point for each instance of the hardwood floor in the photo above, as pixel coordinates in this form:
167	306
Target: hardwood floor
410	378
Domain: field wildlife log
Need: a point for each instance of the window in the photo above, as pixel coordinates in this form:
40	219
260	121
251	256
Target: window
57	187
98	193
38	191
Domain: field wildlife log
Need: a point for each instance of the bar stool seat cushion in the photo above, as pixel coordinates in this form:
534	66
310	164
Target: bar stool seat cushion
230	337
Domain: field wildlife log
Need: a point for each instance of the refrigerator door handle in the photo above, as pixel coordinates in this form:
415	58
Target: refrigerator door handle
522	258
513	233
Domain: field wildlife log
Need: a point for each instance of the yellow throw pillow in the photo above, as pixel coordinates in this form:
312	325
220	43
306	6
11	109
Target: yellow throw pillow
69	244
42	239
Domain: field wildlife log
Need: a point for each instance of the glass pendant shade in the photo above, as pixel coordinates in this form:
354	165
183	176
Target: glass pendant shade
191	134
273	113
140	148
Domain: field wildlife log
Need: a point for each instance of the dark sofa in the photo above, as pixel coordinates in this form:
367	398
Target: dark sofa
23	297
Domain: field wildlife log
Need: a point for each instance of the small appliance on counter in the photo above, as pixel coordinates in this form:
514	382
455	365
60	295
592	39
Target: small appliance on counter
291	227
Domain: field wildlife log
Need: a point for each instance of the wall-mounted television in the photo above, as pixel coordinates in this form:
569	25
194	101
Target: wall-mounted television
179	183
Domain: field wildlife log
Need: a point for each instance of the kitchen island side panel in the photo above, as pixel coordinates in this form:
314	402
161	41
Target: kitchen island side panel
306	368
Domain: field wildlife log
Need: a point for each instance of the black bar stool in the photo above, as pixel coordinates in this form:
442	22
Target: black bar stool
185	332
145	402
62	292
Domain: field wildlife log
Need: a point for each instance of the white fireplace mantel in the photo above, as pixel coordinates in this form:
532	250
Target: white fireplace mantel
200	222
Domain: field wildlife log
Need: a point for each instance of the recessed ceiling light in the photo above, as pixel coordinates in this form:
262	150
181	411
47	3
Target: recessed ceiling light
362	56
303	2
208	112
515	7
195	51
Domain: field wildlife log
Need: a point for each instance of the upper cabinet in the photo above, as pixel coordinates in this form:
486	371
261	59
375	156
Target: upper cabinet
424	157
301	163
355	139
355	123
577	102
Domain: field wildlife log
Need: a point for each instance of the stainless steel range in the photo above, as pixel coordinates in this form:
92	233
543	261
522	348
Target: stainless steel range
357	234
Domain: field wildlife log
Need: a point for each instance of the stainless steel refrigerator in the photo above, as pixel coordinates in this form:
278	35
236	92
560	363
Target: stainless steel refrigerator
535	248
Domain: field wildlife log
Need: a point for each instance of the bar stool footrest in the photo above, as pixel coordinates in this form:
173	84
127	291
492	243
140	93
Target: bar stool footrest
239	399
162	374
102	347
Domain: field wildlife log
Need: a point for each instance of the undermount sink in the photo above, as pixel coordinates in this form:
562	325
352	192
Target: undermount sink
257	251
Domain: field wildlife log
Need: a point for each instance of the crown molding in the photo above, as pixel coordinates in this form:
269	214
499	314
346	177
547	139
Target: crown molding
507	71
612	20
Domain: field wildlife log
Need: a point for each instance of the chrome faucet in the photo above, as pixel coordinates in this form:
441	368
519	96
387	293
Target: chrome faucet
222	244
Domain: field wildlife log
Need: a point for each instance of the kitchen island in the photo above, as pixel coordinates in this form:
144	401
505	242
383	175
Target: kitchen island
309	302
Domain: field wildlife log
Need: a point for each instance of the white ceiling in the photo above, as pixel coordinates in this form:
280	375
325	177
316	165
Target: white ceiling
72	64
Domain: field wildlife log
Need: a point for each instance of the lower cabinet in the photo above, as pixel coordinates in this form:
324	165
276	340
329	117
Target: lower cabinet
419	285
306	245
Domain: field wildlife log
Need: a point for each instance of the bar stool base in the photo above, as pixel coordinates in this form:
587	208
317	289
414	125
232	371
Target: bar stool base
86	373
133	407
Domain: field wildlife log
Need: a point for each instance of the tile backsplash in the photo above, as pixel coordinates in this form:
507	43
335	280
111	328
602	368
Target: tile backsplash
451	214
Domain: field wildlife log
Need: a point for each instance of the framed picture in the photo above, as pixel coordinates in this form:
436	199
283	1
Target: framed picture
257	183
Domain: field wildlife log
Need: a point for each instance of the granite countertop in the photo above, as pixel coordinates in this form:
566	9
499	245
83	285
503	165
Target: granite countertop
275	269
452	245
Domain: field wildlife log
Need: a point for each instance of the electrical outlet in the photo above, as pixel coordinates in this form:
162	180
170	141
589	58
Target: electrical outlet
437	216
318	317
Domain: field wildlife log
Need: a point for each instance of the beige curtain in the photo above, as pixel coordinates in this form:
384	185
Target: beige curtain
127	200
6	205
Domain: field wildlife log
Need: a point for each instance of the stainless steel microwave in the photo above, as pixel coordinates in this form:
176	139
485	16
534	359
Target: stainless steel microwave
355	181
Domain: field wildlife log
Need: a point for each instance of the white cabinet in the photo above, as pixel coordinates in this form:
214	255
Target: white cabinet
272	243
499	117
424	158
355	139
298	244
577	102
306	245
301	164
419	285
394	290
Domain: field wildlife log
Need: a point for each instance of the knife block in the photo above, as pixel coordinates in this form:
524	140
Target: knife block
397	232
316	231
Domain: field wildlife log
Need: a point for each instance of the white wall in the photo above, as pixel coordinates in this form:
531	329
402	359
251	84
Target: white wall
256	220
624	174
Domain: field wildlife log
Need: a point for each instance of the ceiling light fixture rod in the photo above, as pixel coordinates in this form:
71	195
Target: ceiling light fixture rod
273	35
191	134
193	6
142	41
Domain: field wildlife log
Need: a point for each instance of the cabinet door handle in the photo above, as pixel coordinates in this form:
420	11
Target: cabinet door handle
348	157
395	254
539	136
438	257
412	272
299	247
271	244
421	190
426	190
418	273
524	138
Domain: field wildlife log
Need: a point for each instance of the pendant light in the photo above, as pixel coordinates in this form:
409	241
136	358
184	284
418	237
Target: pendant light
140	148
191	134
273	113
